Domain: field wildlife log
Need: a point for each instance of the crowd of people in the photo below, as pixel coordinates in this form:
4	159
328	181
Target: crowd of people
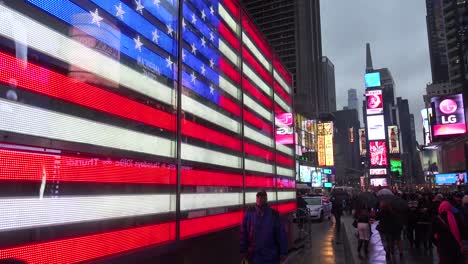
424	219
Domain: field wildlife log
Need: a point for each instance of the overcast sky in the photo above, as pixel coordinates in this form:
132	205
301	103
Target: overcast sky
396	30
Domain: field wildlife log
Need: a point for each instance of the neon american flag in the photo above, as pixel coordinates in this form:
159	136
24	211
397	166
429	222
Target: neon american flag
90	125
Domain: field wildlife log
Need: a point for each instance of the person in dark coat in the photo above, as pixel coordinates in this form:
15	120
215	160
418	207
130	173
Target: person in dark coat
447	235
263	239
338	205
390	228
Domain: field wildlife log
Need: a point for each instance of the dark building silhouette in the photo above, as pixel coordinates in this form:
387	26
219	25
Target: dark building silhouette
327	91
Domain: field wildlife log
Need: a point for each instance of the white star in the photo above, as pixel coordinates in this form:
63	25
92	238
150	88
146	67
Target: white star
211	89
203	42
194	19
139	6
120	11
170	30
183	24
203	70
203	15
193	77
155	36
211	63
194	49
169	62
157	2
96	18
211	36
183	55
211	10
138	43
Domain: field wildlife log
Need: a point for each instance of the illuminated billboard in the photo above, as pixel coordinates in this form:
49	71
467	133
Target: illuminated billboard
396	166
284	129
426	115
375	127
374	102
372	79
449	115
362	142
393	140
381	171
351	135
451	178
328	131
305	173
316	178
379	182
378	153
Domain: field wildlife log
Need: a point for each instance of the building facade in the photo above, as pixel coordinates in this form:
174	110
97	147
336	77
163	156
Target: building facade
437	40
327	91
352	99
293	29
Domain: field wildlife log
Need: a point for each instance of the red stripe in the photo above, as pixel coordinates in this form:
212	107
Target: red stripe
279	109
229	105
284	160
282	92
29	166
259	181
197	226
282	71
286	207
209	178
257	122
229	70
86	248
258	151
233	7
284	183
257	67
228	35
257	93
197	131
255	35
43	81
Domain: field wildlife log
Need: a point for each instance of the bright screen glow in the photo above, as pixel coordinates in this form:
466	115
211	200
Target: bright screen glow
379	182
305	173
372	79
375	127
378	153
374	102
382	171
451	178
449	115
396	166
284	130
393	140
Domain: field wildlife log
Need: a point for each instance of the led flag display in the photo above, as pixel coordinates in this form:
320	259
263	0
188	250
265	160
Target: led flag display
362	142
449	114
374	102
375	127
378	153
91	113
393	139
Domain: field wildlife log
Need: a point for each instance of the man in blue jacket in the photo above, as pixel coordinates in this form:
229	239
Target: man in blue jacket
263	238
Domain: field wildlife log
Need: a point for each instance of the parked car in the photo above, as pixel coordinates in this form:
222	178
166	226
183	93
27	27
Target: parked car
319	207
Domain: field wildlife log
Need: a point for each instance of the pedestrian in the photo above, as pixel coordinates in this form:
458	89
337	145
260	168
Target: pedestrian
362	217
412	219
263	239
390	228
447	235
423	225
337	210
465	234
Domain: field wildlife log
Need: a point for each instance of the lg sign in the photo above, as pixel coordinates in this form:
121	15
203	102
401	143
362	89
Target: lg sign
449	115
448	107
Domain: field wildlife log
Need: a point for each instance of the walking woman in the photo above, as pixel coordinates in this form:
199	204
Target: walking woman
447	235
362	217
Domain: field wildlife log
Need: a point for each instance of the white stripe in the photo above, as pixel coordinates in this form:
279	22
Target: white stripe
284	149
257	136
63	48
253	165
198	154
35	121
251	197
22	213
257	80
209	114
228	19
257	108
228	87
256	52
228	52
284	171
286	195
193	201
282	103
280	80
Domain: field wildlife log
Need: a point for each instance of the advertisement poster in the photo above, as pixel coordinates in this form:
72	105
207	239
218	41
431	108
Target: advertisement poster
393	139
396	166
379	182
362	142
316	179
378	153
374	102
310	127
449	115
329	156
284	129
376	127
351	135
451	178
382	171
426	115
321	145
305	174
372	79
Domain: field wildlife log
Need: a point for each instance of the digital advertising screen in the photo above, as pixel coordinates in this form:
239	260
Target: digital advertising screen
396	166
376	127
393	139
284	129
305	173
380	171
374	102
426	115
449	115
378	153
362	142
379	182
372	79
451	178
328	132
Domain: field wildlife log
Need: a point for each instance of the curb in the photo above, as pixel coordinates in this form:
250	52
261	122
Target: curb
347	245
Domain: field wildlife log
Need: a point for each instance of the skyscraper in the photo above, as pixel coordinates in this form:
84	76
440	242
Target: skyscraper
352	99
292	27
327	90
